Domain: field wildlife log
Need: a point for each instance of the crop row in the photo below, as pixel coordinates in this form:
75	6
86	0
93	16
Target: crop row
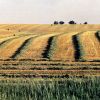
84	46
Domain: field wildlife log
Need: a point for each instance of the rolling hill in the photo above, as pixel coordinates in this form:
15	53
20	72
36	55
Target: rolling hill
49	47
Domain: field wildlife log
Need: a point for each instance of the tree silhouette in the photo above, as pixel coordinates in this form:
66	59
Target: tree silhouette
85	23
61	22
56	22
71	22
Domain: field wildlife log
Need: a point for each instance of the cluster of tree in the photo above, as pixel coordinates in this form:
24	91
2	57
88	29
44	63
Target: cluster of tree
70	22
61	22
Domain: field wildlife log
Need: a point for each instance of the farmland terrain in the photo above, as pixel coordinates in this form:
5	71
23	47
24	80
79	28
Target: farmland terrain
49	50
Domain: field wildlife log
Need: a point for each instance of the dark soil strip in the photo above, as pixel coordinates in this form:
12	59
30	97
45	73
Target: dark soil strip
97	34
46	52
77	47
18	51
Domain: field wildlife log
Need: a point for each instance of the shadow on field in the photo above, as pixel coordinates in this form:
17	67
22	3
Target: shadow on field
45	54
6	41
18	51
97	34
76	45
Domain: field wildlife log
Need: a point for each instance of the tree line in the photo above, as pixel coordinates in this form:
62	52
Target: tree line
70	22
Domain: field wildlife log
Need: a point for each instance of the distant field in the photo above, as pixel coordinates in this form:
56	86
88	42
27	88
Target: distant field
49	48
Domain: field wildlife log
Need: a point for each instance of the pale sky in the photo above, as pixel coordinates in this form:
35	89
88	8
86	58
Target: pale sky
47	11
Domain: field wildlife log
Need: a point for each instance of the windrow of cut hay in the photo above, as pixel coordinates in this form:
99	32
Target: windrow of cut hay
37	47
47	51
8	49
63	48
33	65
97	34
48	73
78	49
7	40
22	47
69	46
91	46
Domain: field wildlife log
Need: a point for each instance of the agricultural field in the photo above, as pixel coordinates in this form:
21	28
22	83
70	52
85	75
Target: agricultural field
41	57
50	89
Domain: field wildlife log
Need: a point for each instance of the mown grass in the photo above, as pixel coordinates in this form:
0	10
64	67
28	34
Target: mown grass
78	48
18	51
72	48
50	48
50	89
46	64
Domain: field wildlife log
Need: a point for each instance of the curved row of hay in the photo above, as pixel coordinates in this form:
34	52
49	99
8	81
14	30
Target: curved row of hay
24	46
33	48
63	49
90	45
54	42
10	46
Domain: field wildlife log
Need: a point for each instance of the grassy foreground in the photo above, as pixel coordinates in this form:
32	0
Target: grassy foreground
73	88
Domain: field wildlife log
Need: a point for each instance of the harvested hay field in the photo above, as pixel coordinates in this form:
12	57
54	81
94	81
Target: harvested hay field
49	62
47	49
